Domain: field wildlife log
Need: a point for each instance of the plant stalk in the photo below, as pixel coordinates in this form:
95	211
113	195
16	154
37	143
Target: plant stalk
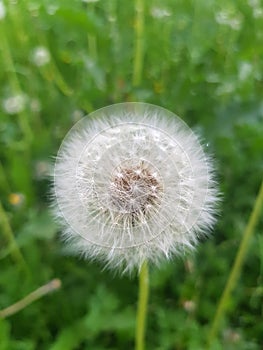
7	231
30	298
236	267
138	50
142	307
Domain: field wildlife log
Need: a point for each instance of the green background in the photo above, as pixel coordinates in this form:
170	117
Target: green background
200	59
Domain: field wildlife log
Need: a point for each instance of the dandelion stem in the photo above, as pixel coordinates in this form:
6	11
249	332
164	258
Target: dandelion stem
236	267
138	53
30	298
142	306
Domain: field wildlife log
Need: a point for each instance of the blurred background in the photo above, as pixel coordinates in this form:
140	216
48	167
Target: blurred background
60	60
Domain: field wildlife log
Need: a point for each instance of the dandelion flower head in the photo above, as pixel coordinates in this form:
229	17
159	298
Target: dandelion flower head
132	183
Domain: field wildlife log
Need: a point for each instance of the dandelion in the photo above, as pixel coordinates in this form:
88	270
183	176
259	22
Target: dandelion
189	306
40	56
2	10
231	336
35	105
245	70
159	13
132	184
52	9
14	104
225	88
33	9
258	12
254	3
229	18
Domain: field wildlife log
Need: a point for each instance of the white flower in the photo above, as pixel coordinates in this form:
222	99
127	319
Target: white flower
229	18
40	56
132	183
35	105
258	12
52	9
254	3
158	12
14	104
2	10
245	70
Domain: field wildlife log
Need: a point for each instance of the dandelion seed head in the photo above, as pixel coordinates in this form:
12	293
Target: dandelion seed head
254	3
134	190
132	183
160	13
14	104
52	9
258	12
40	56
189	306
35	105
2	10
229	18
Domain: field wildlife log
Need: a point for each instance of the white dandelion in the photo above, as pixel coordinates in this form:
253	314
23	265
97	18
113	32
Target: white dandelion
40	56
15	104
159	13
131	184
2	10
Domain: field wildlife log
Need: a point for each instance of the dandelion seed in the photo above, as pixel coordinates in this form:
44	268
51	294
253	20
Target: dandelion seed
136	199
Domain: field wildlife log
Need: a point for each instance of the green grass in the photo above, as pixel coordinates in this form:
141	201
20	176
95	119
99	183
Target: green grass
200	59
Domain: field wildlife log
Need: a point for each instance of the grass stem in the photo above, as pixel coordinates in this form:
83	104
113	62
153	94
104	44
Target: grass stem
236	267
7	231
30	298
138	53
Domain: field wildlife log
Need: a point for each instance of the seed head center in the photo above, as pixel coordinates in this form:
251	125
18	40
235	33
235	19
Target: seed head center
135	189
